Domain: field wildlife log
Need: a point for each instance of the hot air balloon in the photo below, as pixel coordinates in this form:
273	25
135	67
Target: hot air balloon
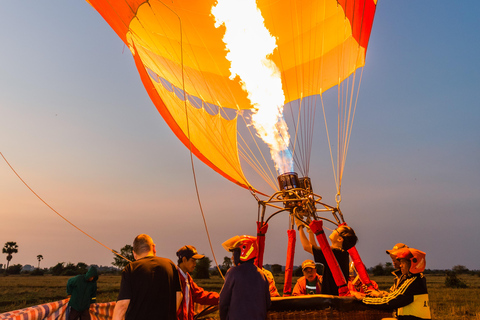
239	83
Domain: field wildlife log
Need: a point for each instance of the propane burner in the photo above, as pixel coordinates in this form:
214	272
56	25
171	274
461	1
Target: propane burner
296	193
288	181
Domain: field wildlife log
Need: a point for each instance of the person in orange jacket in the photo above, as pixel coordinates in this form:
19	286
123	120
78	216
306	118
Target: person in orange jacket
192	293
310	283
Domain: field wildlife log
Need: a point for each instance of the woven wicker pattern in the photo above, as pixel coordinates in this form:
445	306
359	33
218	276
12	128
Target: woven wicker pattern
328	315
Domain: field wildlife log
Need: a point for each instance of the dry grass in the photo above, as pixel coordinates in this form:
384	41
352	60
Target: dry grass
18	292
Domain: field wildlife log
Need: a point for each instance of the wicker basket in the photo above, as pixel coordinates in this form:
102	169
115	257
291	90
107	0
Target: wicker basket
328	315
318	307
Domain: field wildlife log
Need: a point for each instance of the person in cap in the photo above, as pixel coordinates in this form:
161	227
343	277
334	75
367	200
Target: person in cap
245	293
82	290
310	283
397	273
192	293
410	298
150	285
342	239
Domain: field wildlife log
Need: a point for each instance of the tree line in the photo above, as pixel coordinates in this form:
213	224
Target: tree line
202	271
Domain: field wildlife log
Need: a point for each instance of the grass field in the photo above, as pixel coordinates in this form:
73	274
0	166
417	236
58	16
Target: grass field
17	292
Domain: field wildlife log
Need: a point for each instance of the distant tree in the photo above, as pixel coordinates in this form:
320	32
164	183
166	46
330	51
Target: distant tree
39	258
276	269
127	252
298	272
15	269
81	268
451	281
389	268
378	270
10	248
70	269
202	269
57	269
460	269
227	263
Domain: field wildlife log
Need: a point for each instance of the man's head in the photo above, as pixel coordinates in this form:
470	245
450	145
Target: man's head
143	246
393	256
309	270
243	248
411	260
187	258
343	237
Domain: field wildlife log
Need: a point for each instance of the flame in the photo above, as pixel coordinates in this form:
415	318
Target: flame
249	46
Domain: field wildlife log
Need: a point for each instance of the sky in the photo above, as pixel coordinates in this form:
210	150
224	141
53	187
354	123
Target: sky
78	127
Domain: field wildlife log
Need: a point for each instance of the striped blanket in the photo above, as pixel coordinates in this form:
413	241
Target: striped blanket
58	311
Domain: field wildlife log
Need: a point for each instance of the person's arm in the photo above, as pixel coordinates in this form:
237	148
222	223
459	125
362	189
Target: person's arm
307	246
120	309
199	295
313	239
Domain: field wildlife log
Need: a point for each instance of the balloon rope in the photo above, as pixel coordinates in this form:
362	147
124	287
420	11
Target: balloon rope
190	145
51	208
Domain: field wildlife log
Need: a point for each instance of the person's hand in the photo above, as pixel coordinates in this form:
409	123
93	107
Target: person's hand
373	293
357	295
300	224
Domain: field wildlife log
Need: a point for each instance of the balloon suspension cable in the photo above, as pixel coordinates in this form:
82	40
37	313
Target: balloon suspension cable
190	144
61	216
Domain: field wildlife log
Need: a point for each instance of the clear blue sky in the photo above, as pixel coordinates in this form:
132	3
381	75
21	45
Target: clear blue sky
78	126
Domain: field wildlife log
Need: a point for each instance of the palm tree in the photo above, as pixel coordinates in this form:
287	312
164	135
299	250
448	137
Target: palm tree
39	258
9	248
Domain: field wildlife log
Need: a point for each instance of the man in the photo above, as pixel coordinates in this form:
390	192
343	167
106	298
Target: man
82	290
245	293
150	286
192	293
310	283
342	239
397	273
410	297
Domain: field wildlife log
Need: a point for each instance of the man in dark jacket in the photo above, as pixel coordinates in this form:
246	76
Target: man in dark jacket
410	298
245	293
82	290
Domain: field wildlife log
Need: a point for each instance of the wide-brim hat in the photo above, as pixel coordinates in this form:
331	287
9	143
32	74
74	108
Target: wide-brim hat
397	247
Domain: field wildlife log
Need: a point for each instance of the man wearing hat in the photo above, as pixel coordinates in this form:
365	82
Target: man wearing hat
310	283
397	273
187	260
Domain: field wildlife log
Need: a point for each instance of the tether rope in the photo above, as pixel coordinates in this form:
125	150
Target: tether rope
61	216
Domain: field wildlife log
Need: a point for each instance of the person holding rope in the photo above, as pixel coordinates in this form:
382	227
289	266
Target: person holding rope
410	297
397	273
342	239
192	293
